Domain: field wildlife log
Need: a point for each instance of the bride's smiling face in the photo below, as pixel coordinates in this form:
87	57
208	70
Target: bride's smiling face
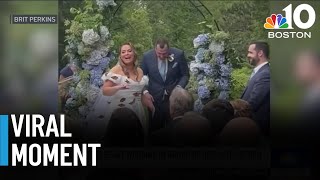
127	54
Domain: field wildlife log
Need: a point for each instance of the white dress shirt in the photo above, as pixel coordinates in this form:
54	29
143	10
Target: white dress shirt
256	69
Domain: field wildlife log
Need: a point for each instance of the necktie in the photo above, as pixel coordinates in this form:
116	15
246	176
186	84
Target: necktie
252	74
162	69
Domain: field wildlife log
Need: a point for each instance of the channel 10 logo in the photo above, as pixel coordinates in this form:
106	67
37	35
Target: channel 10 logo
280	22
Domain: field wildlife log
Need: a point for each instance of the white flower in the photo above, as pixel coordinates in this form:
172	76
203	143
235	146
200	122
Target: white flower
194	68
171	58
89	37
104	33
105	3
81	49
216	47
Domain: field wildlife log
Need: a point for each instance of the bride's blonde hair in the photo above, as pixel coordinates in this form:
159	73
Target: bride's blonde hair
135	62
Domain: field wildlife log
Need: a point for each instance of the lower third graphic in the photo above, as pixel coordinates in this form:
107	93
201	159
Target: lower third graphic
4	140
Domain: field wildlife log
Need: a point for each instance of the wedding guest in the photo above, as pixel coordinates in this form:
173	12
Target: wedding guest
67	71
307	71
242	108
180	102
193	130
124	129
257	92
219	112
240	132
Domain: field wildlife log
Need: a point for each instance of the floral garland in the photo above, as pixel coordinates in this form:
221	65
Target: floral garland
210	70
89	44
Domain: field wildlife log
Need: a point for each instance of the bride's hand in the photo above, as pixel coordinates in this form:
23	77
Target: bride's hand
148	103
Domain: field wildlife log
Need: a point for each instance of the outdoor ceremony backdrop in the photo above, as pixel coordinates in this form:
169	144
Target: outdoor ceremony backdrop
141	22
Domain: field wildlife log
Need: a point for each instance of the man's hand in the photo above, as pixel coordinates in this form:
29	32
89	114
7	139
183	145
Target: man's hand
148	100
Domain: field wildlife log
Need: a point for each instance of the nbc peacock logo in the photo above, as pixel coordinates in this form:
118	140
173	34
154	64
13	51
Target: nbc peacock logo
286	22
276	22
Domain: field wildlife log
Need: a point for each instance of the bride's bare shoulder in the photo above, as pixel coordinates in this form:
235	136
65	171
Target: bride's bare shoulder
116	70
140	72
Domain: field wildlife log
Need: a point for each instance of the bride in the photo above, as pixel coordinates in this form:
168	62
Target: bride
122	87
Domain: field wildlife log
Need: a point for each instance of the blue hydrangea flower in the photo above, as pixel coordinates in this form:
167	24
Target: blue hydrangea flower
87	66
201	40
199	57
200	77
70	103
225	70
198	106
224	84
223	95
220	58
208	70
203	92
104	63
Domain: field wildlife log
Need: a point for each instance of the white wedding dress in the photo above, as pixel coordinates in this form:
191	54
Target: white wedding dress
98	119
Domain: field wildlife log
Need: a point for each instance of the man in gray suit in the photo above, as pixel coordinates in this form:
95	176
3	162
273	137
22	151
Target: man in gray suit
257	92
166	68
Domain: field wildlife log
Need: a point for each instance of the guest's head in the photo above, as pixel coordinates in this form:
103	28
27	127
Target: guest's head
258	53
181	101
240	132
162	48
219	112
241	108
193	130
124	129
307	67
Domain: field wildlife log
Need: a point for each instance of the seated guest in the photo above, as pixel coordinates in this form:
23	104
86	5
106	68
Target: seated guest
240	132
124	129
67	71
192	130
219	112
180	102
242	108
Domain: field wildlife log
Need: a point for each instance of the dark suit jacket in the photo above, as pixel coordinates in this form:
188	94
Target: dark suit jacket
177	74
257	94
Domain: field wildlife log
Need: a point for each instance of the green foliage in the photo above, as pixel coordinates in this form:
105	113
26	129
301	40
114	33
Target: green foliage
177	21
85	18
84	75
239	79
135	27
192	85
221	36
242	20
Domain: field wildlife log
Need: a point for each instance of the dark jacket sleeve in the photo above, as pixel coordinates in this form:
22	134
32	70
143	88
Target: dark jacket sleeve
184	71
144	65
144	68
260	91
